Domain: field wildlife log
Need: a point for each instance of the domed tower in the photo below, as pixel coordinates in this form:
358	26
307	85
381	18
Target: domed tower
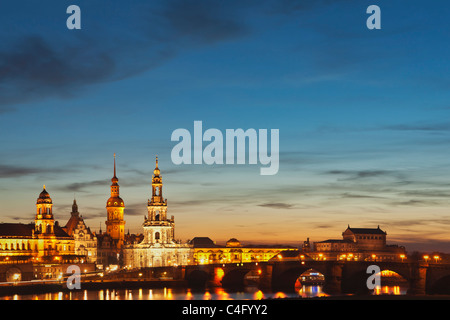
44	221
158	228
115	225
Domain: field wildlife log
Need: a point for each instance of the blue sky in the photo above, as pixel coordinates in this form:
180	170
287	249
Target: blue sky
363	114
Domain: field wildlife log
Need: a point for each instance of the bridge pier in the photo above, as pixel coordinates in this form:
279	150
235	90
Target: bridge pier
333	277
417	285
265	280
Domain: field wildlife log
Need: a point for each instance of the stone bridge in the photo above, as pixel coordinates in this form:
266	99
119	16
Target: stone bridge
340	276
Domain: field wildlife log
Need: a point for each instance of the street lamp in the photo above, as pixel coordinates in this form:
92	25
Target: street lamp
402	256
436	258
426	258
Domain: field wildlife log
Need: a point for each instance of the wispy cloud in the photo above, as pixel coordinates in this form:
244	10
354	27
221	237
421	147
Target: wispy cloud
277	205
83	186
430	127
12	171
136	209
426	193
363	174
359	196
414	203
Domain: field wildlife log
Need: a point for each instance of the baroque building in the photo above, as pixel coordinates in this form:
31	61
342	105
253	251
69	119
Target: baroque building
85	240
43	240
358	244
207	251
158	247
44	245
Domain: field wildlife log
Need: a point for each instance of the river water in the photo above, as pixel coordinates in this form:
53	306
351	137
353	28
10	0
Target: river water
248	293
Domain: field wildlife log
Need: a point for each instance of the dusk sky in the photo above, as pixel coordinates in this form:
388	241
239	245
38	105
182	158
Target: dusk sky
363	115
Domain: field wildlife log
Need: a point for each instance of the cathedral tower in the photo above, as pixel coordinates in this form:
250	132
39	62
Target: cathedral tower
159	229
158	248
44	221
115	225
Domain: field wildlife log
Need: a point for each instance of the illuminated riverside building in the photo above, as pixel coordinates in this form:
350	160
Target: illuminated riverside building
44	245
207	251
42	240
358	244
85	240
159	247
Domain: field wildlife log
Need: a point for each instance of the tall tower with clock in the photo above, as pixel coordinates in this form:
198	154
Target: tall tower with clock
159	247
115	224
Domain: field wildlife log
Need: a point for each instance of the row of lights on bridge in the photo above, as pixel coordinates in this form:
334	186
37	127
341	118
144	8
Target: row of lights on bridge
350	256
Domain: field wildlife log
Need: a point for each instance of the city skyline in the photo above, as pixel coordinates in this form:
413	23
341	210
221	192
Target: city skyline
362	115
137	228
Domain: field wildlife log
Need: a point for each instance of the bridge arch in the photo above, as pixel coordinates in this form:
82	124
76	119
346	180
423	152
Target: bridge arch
197	278
440	285
235	278
355	281
286	280
13	274
310	277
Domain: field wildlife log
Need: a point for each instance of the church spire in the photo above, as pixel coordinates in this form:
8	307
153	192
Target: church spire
156	172
115	165
115	199
114	180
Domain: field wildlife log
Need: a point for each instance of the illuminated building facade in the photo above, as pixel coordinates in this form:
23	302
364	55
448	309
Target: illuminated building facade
110	242
159	247
358	244
44	244
206	251
85	240
42	240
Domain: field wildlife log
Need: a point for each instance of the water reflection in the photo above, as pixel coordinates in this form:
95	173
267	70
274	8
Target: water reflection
394	290
249	293
311	291
258	295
